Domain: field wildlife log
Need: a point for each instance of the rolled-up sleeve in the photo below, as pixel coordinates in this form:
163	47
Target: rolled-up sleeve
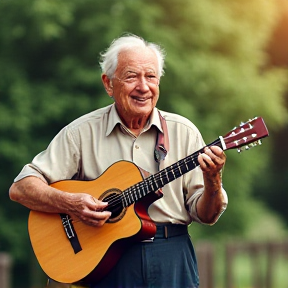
192	205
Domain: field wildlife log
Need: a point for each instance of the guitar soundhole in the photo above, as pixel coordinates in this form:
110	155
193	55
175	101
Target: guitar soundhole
115	205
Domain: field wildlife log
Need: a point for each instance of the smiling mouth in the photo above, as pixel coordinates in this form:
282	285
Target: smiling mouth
141	99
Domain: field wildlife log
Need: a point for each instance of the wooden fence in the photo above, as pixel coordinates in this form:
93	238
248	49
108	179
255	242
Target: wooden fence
256	252
207	260
270	251
5	270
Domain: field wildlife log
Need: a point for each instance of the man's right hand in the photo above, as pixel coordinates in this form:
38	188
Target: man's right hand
88	209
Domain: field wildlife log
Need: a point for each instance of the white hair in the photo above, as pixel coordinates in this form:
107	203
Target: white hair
109	58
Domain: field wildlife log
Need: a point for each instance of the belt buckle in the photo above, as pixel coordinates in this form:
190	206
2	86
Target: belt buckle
149	240
165	232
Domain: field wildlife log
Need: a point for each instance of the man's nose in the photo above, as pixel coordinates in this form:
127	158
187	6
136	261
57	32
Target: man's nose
142	84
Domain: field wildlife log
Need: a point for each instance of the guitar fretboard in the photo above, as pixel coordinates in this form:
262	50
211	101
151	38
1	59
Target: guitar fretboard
161	178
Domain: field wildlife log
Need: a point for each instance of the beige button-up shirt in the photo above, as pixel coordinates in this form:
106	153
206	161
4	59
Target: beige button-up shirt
85	148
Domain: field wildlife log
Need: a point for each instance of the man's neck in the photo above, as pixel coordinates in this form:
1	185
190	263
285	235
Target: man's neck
135	124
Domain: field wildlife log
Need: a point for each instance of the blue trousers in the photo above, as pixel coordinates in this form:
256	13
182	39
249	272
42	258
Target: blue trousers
163	263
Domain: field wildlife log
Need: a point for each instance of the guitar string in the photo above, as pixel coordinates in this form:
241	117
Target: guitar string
181	167
129	192
148	182
158	176
117	199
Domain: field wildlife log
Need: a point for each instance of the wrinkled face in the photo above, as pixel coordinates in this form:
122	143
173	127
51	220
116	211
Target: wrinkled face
135	83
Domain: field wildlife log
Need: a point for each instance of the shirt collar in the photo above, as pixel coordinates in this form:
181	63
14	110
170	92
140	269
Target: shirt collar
114	119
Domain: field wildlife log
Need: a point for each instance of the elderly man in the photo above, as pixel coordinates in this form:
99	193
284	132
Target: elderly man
132	129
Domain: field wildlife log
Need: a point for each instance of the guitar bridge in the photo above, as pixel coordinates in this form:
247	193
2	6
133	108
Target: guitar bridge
66	221
70	233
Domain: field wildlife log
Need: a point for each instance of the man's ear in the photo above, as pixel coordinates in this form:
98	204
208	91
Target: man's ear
107	84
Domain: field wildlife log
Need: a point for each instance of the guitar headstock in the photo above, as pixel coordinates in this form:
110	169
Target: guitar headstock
247	134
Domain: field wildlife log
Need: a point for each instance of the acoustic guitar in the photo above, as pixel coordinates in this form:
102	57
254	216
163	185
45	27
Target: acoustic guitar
70	251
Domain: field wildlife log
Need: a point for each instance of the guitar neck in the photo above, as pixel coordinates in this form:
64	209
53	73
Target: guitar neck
163	177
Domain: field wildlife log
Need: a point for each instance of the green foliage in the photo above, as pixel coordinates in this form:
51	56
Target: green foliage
216	75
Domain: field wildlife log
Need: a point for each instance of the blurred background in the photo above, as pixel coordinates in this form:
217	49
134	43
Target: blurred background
227	61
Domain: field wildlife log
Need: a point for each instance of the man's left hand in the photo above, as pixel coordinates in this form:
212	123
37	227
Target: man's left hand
212	160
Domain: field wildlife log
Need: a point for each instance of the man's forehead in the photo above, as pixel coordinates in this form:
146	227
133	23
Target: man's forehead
137	59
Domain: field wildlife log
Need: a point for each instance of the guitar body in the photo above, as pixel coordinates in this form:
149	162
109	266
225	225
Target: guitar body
101	246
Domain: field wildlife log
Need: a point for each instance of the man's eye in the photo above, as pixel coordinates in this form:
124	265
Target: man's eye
130	78
151	78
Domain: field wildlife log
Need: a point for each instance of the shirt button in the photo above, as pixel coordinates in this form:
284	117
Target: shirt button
136	147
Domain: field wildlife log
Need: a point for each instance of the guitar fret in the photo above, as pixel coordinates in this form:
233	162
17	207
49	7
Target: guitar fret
147	186
142	191
171	175
156	183
129	199
167	175
190	163
176	171
134	195
151	187
161	179
139	190
195	161
125	199
182	168
185	162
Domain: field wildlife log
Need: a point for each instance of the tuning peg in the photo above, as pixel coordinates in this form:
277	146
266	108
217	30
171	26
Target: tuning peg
259	142
239	150
247	147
